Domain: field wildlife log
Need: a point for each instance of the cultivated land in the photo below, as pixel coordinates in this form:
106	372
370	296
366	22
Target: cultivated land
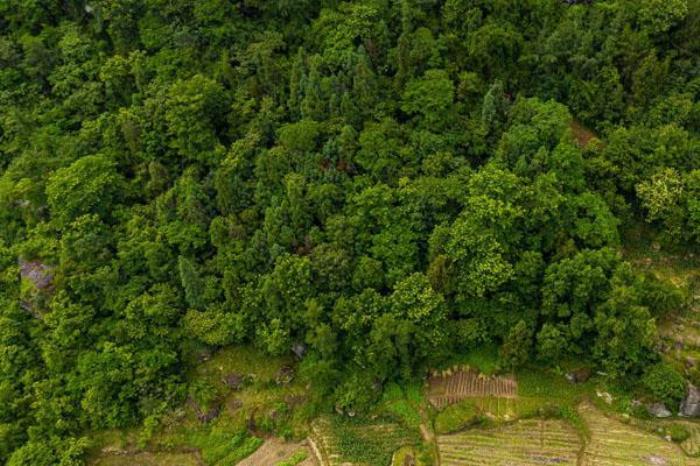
453	385
458	417
275	451
149	459
613	443
526	442
340	442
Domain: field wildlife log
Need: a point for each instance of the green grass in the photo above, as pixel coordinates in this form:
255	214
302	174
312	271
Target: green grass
457	417
403	403
541	394
222	448
485	359
295	459
243	360
541	383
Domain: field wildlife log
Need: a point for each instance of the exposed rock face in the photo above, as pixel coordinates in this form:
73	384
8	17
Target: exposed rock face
690	406
299	349
40	275
658	410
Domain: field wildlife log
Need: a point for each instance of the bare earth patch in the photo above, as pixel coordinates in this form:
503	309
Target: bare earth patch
274	451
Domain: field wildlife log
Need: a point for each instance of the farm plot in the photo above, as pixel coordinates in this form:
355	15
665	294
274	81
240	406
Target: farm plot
149	459
341	441
692	444
529	442
275	451
613	443
451	386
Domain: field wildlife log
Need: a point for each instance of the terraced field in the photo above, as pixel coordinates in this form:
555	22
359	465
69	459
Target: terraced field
275	451
692	445
149	459
613	443
524	443
343	442
451	386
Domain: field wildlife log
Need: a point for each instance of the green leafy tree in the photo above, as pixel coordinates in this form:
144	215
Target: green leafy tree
89	185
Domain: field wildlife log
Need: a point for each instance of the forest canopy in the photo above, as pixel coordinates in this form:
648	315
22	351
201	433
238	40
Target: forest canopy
383	183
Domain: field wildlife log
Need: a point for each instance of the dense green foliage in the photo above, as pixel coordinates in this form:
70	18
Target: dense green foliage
665	383
386	182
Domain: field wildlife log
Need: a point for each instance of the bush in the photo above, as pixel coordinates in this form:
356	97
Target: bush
678	433
665	383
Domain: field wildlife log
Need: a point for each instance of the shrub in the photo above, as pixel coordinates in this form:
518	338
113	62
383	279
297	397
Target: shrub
678	433
665	383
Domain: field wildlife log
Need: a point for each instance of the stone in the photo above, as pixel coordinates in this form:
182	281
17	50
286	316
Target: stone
233	381
40	275
658	410
580	375
690	406
607	397
299	349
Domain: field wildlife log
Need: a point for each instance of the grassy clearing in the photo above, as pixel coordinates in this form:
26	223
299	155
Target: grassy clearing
484	359
526	442
256	367
404	403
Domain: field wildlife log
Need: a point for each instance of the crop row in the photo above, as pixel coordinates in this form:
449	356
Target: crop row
455	385
530	442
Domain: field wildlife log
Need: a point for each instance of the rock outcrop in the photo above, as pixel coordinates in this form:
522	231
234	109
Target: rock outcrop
658	410
690	406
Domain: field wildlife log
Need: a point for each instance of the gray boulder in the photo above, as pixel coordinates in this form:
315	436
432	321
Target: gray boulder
690	406
658	410
39	274
580	375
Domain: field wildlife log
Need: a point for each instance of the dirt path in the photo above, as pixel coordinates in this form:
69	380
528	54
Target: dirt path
275	450
428	435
